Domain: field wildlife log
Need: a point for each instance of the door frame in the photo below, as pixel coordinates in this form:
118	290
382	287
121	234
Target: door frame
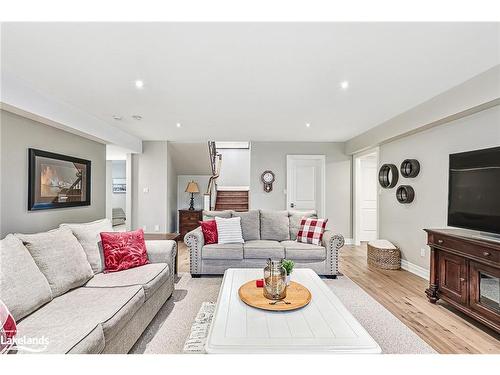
322	159
356	163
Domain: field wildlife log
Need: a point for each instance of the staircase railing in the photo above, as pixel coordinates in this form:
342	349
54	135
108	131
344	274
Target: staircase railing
215	164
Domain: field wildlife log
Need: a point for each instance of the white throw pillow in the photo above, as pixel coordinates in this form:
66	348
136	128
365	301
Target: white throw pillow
229	230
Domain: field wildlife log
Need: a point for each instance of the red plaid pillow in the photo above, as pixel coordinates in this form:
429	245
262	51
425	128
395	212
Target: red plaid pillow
311	230
8	329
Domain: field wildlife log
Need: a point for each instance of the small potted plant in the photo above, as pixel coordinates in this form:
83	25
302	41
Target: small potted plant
288	266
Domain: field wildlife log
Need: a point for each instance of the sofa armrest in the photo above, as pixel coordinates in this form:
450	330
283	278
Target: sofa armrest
332	242
162	251
195	242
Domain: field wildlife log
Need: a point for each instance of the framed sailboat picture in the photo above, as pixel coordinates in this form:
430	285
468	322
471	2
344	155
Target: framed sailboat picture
57	181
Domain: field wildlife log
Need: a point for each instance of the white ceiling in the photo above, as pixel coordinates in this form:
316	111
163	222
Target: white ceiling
247	81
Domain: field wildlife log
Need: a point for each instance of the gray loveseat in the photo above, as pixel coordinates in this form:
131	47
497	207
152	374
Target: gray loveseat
267	234
53	285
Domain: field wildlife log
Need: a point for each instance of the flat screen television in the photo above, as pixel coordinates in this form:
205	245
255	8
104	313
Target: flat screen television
474	190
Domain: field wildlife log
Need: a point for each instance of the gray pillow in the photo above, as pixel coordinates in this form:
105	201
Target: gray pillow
274	225
60	257
23	288
210	215
88	234
250	224
295	217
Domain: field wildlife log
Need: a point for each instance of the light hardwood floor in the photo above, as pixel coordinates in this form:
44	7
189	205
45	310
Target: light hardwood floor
402	293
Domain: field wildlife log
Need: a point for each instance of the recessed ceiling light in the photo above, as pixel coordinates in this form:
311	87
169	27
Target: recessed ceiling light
117	118
308	125
139	84
344	85
137	117
178	125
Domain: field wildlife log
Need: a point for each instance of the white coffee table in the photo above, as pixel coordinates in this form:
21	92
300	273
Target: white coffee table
323	326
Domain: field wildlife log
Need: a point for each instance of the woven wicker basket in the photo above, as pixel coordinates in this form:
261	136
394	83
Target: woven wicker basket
384	258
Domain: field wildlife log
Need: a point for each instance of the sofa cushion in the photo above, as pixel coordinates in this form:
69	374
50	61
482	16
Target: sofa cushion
303	251
88	234
60	257
263	249
23	288
71	319
250	224
222	251
274	225
229	230
311	230
209	229
294	217
210	215
123	250
150	277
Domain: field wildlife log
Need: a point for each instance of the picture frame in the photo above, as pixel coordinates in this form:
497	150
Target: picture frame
57	181
119	185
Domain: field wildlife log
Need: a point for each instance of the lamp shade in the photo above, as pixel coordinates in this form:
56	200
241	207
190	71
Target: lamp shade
192	187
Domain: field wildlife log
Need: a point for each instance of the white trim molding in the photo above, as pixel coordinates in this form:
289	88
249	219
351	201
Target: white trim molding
413	268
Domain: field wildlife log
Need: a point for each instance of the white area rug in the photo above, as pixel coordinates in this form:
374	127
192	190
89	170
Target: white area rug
173	326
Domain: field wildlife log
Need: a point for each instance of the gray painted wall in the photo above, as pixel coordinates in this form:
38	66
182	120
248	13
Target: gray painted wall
235	169
17	135
172	190
150	171
272	156
403	224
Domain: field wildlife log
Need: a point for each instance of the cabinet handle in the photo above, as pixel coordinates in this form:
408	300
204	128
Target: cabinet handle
440	241
462	279
486	254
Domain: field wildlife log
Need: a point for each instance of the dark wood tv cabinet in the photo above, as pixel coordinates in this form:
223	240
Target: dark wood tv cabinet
465	272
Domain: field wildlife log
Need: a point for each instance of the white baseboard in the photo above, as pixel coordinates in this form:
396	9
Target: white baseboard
413	268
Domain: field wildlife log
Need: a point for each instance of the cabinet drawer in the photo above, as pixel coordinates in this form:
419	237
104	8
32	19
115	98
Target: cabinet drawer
466	248
190	219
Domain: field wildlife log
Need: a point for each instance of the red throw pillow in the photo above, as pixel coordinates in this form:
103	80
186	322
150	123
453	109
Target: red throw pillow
209	229
123	250
311	230
8	329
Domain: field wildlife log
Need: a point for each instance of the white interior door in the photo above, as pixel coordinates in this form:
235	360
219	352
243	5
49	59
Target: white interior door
306	183
367	216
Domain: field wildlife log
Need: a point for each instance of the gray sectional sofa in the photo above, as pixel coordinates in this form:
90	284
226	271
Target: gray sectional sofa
267	234
53	284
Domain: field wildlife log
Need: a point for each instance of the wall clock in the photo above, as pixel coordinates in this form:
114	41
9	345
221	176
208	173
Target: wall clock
267	178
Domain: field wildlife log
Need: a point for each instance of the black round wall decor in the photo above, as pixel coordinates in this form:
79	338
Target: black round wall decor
388	176
410	168
405	194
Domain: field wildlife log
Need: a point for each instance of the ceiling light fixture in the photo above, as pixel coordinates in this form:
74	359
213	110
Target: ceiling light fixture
308	125
117	118
137	117
178	125
139	84
344	85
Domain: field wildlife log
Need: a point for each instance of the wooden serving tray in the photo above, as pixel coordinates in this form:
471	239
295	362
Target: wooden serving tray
297	294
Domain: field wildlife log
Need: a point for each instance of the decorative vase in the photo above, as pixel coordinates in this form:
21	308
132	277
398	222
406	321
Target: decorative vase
288	278
274	280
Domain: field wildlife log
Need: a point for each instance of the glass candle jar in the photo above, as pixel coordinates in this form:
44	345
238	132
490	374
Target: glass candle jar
274	280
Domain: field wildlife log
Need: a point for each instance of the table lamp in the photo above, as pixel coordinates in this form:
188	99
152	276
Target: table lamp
192	188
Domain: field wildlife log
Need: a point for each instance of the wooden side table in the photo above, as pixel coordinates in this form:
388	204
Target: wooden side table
189	220
165	236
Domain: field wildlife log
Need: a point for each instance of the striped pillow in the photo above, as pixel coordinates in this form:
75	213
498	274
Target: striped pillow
229	230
